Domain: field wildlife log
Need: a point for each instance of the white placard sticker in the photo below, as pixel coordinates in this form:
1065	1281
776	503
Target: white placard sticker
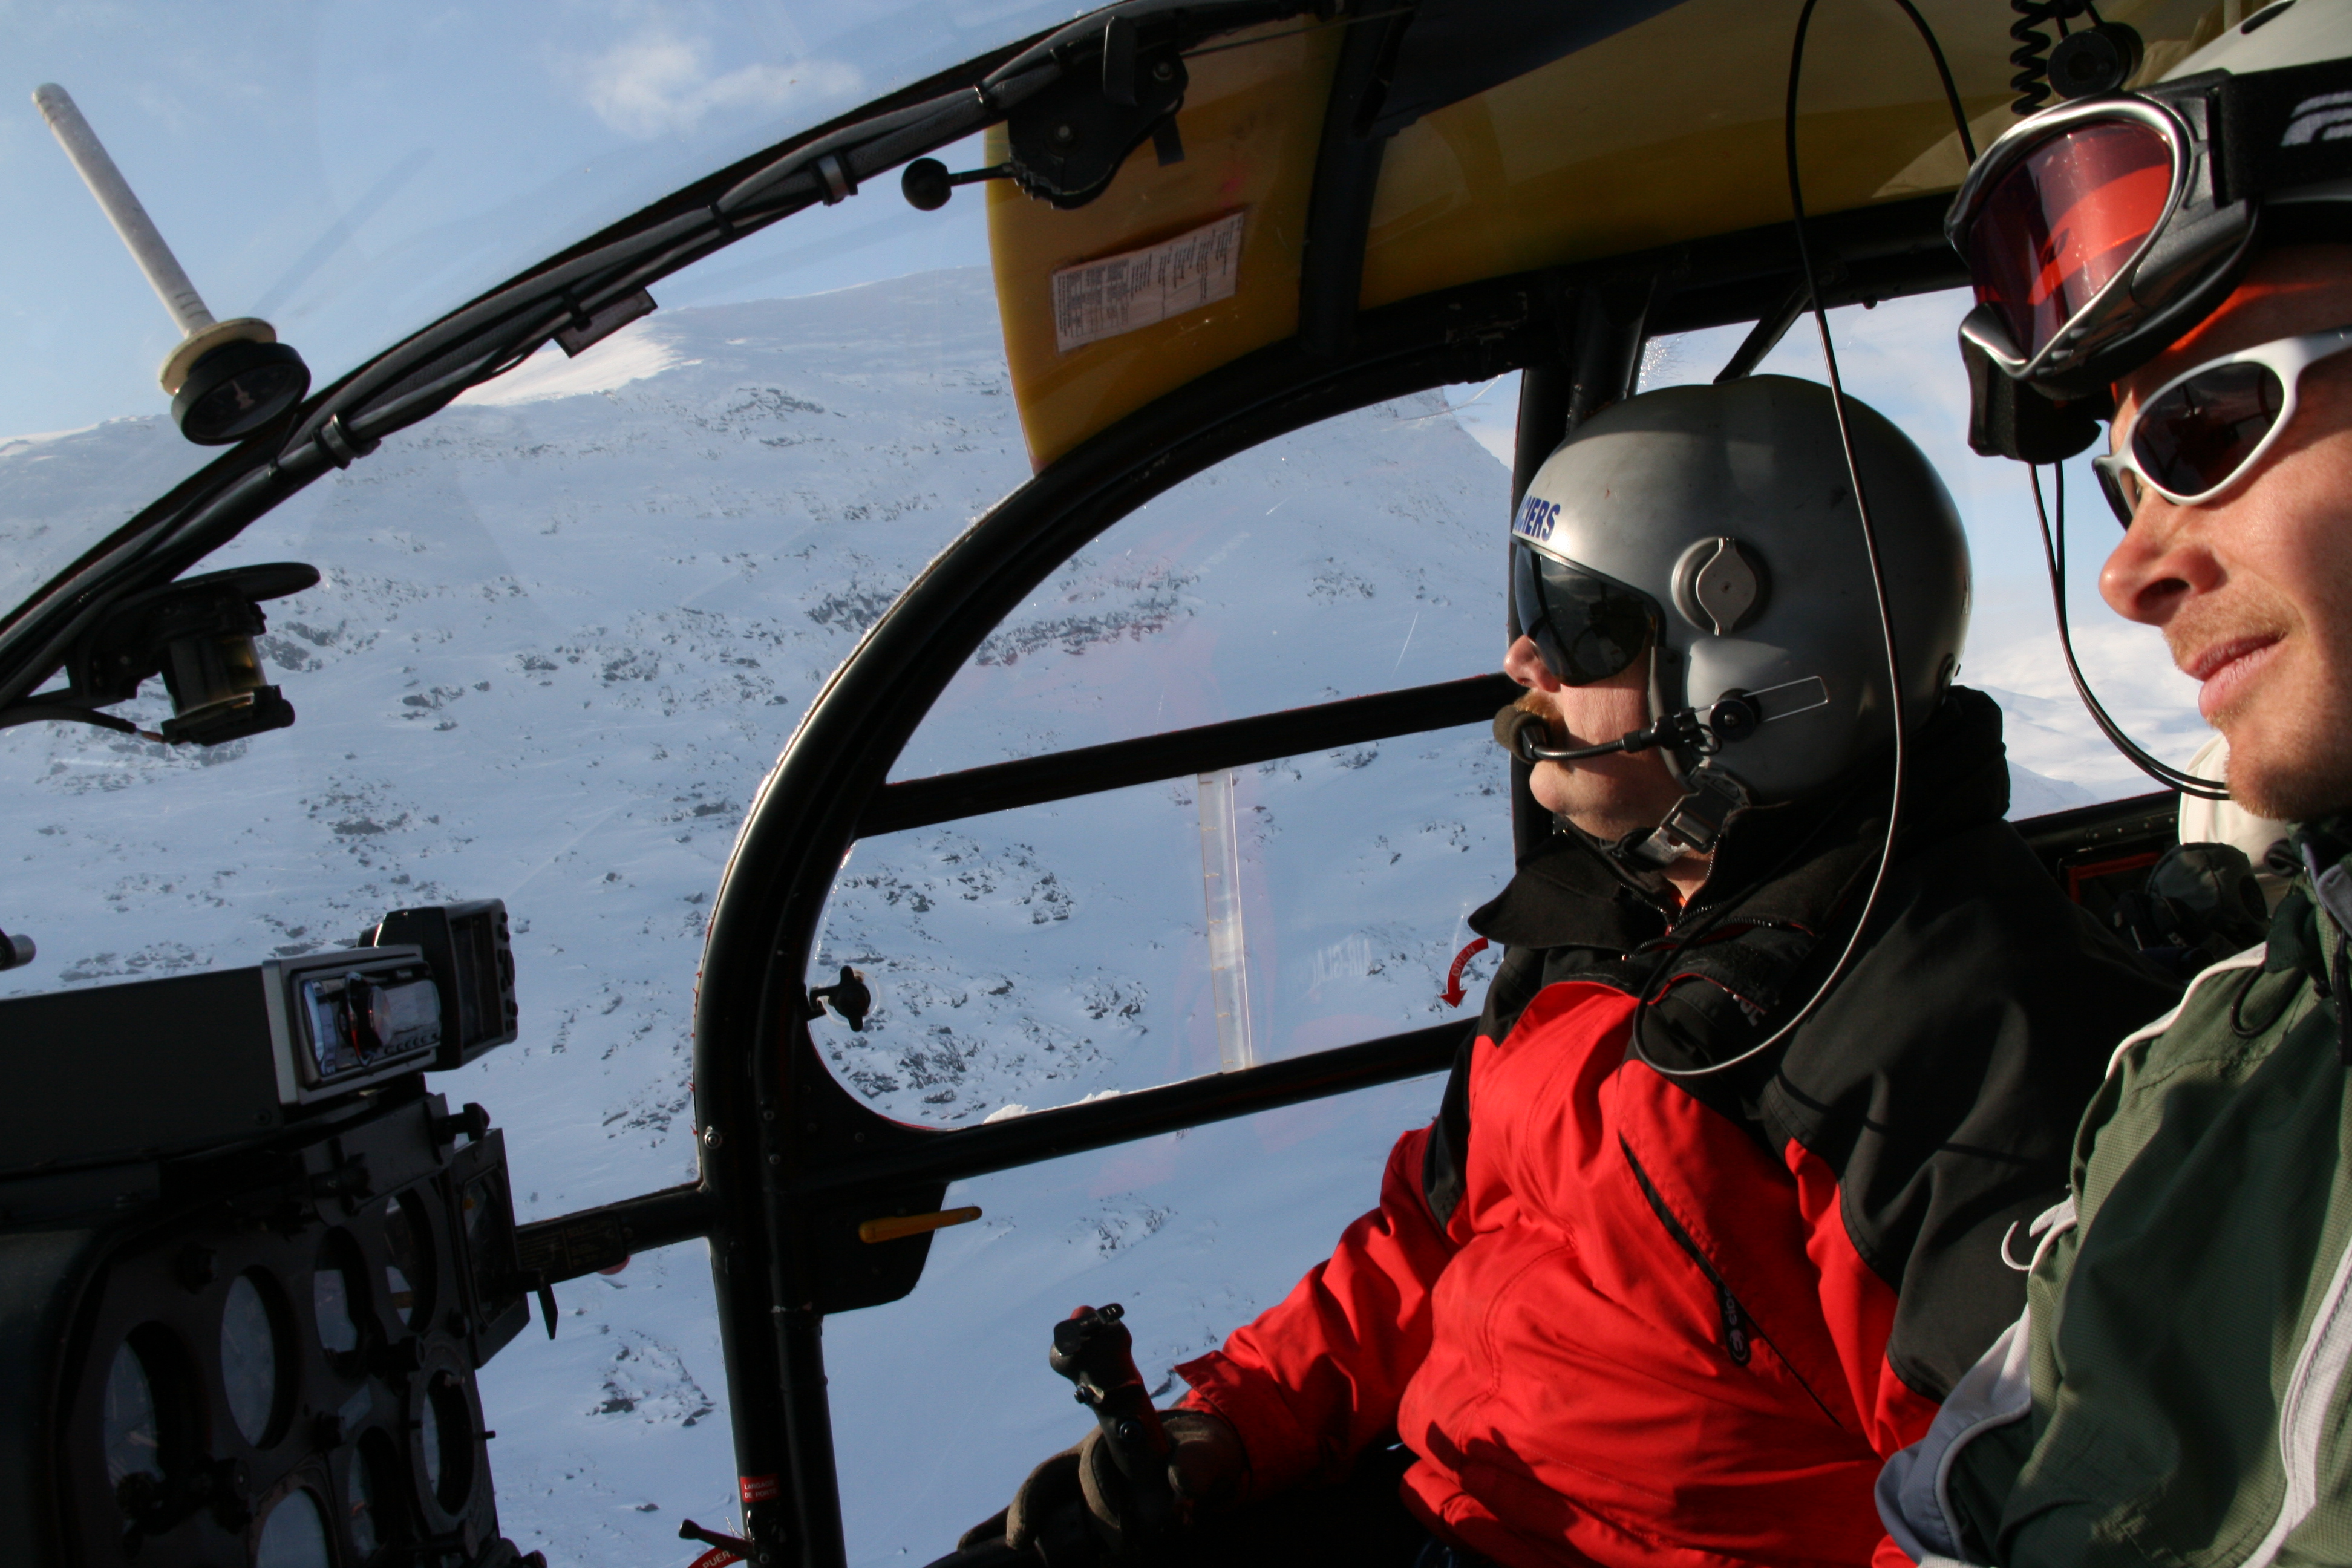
1114	294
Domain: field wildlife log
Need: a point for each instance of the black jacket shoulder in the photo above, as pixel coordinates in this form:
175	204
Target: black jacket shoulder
1941	1077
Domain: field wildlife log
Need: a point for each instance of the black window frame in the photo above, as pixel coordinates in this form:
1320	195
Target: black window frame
791	1162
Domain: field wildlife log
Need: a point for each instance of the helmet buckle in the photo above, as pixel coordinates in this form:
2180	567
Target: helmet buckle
1695	825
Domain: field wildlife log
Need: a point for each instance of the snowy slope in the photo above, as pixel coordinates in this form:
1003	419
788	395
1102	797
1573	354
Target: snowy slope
564	630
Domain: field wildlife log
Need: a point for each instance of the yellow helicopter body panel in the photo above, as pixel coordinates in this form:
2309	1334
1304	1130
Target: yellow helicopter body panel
1670	131
1251	122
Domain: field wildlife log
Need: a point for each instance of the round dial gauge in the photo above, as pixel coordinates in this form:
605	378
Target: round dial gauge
446	1434
294	1535
367	1534
330	1305
250	1360
132	1437
408	1264
428	1427
378	1518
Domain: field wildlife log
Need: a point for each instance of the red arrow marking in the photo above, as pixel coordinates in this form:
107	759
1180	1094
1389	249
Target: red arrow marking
1452	994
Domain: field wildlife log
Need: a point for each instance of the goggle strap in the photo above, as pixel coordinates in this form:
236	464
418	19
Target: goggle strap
2009	419
2276	130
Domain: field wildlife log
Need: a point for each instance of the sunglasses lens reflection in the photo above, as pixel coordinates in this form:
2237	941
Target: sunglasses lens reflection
2193	438
1587	627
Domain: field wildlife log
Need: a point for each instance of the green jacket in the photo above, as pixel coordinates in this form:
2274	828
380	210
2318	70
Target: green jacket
2175	1391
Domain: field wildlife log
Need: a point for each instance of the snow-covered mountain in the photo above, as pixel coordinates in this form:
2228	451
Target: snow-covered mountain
565	628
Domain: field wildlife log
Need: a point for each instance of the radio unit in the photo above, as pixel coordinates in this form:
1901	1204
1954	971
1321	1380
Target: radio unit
163	1066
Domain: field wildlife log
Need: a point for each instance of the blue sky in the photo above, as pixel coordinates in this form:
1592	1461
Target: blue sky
350	169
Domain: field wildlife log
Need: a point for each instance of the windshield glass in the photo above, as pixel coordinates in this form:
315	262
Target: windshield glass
352	170
564	627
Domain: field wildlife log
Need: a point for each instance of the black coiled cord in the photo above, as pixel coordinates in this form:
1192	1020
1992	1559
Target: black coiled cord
2054	556
2032	55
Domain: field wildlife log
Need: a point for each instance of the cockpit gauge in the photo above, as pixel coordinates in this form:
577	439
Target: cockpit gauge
253	1359
445	1437
335	1293
370	1505
132	1436
294	1533
235	1054
408	1260
299	1392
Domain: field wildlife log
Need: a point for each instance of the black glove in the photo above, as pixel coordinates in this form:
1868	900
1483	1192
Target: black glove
1075	1510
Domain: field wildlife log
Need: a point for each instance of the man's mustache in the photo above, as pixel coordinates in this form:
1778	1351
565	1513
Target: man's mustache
2203	622
1532	702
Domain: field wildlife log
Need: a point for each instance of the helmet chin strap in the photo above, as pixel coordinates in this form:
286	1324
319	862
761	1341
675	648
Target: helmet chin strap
1694	824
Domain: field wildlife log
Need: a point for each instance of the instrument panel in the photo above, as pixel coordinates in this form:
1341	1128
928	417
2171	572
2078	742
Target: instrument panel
286	1378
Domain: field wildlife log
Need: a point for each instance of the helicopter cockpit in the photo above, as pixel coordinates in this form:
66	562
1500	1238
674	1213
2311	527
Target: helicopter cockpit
876	628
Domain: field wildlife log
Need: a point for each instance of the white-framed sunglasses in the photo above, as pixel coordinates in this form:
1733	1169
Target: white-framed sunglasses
2202	431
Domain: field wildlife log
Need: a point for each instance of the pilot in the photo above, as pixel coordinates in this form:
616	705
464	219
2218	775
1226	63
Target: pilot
1712	1215
2175	1390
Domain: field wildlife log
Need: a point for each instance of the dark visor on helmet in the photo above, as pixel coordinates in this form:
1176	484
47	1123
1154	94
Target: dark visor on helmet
1587	627
2069	216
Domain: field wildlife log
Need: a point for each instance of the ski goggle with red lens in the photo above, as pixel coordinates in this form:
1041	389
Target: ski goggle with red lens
2202	432
1587	627
2094	239
2098	233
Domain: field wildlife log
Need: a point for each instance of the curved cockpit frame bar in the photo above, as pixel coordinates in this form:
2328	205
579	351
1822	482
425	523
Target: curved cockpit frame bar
793	1163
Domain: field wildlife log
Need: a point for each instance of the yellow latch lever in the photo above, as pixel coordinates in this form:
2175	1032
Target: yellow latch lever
894	1226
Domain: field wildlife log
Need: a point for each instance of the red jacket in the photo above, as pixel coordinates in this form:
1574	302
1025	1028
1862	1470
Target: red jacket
1637	1340
1623	1317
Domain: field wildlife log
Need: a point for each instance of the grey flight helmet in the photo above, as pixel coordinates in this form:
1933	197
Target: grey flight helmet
1713	530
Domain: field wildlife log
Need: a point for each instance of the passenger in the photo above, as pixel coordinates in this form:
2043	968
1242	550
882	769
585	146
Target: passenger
1671	1294
2175	1391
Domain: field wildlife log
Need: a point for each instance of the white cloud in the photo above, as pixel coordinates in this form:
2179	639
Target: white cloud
2013	654
660	83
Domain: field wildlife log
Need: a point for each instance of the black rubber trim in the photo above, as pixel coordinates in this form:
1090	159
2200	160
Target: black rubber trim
1237	743
1347	176
967	1152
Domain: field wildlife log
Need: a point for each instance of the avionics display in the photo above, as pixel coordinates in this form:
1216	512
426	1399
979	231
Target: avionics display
280	1369
350	1019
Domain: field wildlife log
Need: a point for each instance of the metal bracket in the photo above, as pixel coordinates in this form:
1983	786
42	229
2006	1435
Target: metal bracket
1069	140
1695	823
